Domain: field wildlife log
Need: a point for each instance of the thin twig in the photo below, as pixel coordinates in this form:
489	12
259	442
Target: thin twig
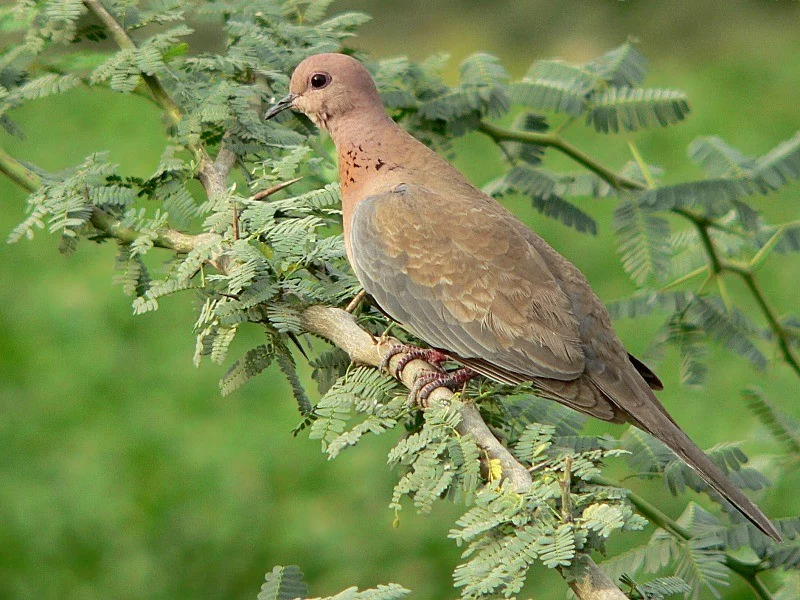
614	179
356	301
17	172
274	189
124	41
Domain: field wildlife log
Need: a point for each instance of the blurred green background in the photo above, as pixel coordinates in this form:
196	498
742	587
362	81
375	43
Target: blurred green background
124	474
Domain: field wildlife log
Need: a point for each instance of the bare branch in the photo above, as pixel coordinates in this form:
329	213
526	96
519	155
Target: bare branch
356	301
274	189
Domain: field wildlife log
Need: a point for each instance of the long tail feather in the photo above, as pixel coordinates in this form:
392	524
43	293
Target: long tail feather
661	425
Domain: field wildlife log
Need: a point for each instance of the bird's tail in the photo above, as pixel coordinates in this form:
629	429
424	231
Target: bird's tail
661	425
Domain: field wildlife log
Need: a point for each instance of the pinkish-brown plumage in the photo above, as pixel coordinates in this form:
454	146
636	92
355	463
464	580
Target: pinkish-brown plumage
462	273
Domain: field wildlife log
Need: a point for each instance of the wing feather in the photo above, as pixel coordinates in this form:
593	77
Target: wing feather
470	285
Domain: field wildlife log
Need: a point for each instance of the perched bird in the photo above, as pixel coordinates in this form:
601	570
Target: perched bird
459	271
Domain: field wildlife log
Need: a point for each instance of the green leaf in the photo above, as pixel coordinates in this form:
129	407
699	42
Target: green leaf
244	369
647	454
391	591
782	429
644	303
701	564
657	589
642	242
551	96
284	583
621	67
718	159
363	390
62	18
630	109
788	591
691	343
534	441
557	549
46	85
781	164
112	195
603	518
289	368
540	187
730	329
480	93
481	69
715	195
328	367
648	558
786	557
555	86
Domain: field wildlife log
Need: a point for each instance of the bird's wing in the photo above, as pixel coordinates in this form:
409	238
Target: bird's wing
458	273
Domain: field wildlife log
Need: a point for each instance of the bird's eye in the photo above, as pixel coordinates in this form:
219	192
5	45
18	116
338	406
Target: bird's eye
320	80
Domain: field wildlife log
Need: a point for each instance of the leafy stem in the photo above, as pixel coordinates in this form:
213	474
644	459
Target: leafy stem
716	264
746	272
554	140
124	41
746	570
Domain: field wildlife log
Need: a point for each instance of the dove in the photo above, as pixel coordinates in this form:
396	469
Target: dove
458	270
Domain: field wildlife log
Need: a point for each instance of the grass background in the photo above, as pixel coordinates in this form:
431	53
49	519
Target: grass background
123	472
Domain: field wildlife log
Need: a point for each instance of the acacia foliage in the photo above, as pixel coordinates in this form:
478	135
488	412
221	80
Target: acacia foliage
281	252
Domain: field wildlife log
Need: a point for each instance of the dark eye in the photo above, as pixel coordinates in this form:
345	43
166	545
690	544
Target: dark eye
320	80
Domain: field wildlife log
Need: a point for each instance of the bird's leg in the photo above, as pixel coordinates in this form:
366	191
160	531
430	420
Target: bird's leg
426	383
429	355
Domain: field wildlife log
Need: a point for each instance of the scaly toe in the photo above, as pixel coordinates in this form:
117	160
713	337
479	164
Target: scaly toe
432	357
451	381
422	381
391	353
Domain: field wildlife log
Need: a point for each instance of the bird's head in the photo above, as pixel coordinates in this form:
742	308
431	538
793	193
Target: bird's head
328	86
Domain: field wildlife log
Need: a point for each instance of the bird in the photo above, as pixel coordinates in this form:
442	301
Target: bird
459	271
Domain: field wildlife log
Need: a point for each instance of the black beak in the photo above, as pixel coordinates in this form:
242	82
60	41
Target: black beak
280	106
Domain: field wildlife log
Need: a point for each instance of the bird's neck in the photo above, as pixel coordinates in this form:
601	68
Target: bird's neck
375	154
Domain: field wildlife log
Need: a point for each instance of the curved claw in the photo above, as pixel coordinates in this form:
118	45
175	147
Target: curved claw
422	381
425	384
390	354
434	357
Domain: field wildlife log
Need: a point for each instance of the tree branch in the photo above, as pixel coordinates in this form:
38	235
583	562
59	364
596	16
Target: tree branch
124	41
614	179
340	328
719	266
589	582
17	172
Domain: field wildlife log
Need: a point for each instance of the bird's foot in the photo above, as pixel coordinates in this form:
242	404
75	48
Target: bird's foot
434	357
427	382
